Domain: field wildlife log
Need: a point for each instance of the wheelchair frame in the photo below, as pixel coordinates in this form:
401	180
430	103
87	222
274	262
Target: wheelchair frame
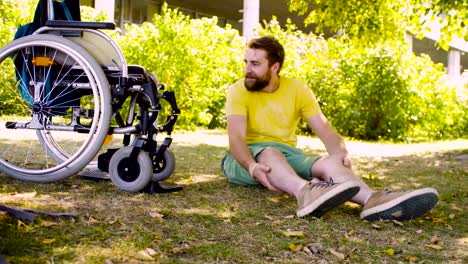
59	74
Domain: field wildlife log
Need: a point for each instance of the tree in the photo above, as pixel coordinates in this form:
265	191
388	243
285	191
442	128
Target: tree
373	19
452	15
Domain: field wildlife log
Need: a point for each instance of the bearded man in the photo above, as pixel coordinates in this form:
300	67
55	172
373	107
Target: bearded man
263	111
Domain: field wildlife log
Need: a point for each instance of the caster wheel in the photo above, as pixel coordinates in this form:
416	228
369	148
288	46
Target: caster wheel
130	176
163	169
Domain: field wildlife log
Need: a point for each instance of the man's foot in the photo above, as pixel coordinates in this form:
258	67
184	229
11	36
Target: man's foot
318	198
399	205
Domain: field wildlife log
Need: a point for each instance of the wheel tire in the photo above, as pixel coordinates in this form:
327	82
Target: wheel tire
128	176
163	169
37	165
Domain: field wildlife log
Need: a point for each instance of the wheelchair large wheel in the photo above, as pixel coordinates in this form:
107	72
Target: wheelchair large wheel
58	112
163	169
128	175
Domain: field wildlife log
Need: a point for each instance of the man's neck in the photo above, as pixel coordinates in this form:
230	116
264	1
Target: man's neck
273	85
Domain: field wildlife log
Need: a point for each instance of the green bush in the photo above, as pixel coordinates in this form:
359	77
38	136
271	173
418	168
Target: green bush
195	58
374	93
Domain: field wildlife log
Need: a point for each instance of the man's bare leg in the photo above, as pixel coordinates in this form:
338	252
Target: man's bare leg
329	167
313	198
281	175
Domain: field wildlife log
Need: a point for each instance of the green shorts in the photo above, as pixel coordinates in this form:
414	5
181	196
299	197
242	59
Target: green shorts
299	162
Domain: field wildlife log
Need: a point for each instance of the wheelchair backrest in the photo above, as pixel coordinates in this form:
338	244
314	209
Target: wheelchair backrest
103	49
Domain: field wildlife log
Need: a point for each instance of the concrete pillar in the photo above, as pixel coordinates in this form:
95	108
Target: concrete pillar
251	18
409	40
453	65
108	6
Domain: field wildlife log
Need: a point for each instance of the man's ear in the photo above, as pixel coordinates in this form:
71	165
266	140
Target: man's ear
276	67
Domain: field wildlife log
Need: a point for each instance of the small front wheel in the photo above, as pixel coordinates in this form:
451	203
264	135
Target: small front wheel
127	175
163	169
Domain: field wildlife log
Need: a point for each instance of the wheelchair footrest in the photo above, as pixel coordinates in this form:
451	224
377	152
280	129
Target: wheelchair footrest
94	175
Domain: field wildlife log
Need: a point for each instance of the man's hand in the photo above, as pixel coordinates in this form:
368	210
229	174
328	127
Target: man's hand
259	173
347	161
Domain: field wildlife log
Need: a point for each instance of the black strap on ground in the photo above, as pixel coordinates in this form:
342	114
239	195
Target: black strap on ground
28	215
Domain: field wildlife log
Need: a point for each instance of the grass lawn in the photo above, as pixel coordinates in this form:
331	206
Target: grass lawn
213	221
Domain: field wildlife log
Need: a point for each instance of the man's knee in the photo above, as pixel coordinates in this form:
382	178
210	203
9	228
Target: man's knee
268	153
328	166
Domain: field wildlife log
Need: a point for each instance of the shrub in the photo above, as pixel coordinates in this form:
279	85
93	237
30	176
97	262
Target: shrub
195	58
380	92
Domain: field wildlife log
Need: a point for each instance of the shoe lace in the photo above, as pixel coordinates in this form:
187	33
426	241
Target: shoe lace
321	184
389	191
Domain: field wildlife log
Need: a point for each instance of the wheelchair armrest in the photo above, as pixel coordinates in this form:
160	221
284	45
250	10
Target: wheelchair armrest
80	24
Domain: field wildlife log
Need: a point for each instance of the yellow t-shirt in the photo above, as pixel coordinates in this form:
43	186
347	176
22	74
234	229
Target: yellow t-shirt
272	116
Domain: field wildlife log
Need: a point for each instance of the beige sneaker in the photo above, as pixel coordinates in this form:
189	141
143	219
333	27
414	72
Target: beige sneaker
399	205
318	198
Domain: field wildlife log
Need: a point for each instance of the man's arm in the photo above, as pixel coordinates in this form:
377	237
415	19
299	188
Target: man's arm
333	142
236	126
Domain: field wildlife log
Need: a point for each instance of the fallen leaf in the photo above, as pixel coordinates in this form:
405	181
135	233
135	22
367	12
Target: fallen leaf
143	255
289	216
314	248
390	251
269	217
411	258
435	240
337	254
176	250
419	231
293	233
150	251
376	227
435	247
92	220
48	223
451	216
156	215
116	221
4	215
47	241
294	247
397	222
275	199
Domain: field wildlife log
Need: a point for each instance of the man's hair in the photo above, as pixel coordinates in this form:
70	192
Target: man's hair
274	50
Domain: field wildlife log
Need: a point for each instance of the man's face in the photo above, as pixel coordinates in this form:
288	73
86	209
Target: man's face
257	71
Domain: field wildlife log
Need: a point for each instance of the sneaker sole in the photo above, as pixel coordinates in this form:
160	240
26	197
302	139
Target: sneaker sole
342	193
407	207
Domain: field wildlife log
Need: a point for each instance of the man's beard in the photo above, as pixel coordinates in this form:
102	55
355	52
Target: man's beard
258	83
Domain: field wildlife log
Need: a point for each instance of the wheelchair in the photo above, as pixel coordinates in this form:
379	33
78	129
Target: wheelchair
75	91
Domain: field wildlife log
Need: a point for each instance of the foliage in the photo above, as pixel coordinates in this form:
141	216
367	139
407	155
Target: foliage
195	58
375	92
370	20
367	19
452	15
378	92
12	15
